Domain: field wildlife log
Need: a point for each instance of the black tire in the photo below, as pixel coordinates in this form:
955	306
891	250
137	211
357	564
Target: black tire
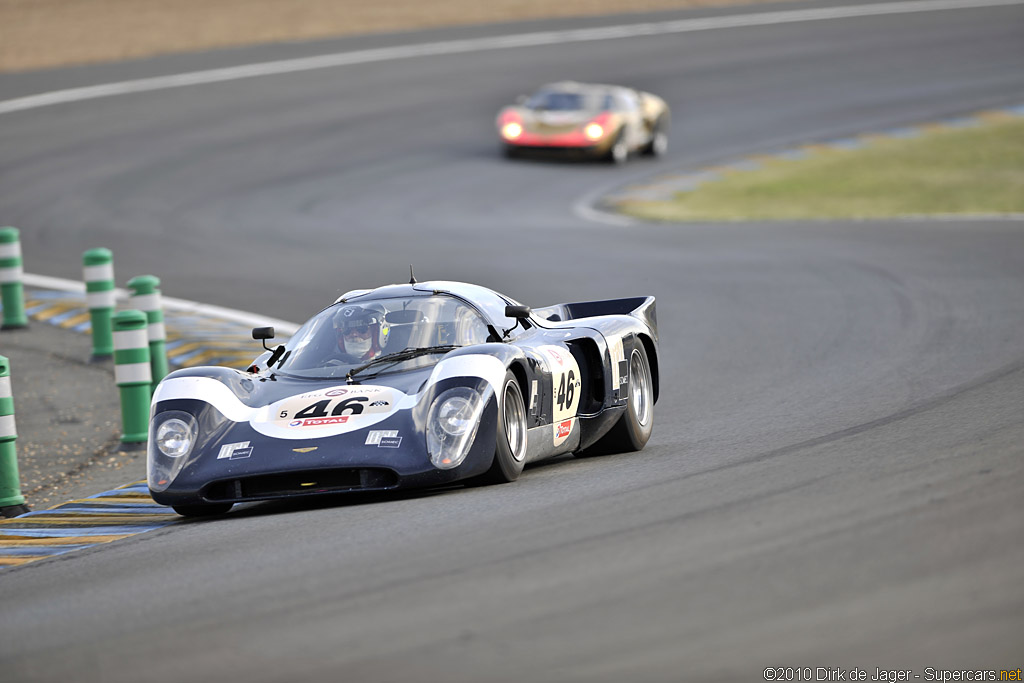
633	430
618	153
202	509
658	146
510	441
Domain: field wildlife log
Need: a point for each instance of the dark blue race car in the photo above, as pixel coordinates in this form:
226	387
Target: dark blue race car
403	386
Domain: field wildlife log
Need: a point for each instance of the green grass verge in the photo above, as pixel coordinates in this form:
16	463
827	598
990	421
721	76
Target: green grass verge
946	171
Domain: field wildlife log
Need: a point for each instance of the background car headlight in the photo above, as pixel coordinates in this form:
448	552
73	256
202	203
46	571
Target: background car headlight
511	130
172	437
452	425
594	131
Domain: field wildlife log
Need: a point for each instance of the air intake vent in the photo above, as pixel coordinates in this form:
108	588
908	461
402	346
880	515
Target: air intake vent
264	486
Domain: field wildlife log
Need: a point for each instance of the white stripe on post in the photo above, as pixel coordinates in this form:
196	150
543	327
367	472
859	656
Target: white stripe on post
131	373
7	426
10	250
146	302
100	299
5	387
11	274
157	332
101	273
131	339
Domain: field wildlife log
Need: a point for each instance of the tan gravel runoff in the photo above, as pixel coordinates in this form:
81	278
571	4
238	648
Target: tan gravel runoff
38	34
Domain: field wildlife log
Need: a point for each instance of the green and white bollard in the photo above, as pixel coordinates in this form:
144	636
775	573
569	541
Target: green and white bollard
133	375
12	503
146	297
11	288
98	269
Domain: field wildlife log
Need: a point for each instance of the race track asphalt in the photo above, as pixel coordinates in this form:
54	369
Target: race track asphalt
834	478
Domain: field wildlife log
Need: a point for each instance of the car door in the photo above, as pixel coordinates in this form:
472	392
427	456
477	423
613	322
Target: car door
632	115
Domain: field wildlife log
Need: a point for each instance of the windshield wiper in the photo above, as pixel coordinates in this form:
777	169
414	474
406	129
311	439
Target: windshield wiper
404	354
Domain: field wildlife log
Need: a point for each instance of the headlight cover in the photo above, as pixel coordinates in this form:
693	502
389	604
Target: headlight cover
172	436
594	131
511	130
452	425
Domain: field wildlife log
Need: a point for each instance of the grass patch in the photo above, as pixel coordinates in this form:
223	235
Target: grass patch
946	171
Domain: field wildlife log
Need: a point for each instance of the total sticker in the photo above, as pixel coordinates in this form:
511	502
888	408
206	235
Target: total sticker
319	421
562	430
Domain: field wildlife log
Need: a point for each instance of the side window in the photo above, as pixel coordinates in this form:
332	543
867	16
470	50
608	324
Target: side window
628	101
470	329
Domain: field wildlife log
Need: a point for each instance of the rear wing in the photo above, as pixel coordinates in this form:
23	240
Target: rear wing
640	307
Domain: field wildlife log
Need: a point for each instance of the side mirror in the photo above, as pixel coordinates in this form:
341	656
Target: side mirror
263	334
517	312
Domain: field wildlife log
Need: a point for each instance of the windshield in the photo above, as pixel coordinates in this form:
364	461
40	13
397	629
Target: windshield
350	335
553	100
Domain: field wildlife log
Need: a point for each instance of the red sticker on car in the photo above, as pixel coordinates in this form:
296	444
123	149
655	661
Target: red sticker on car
317	421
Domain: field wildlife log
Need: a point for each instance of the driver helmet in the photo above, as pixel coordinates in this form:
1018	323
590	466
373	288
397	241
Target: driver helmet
362	332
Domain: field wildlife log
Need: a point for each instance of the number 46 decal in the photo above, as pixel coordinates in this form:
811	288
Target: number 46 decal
319	409
566	390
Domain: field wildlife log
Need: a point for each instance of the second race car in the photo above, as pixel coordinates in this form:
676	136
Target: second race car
585	120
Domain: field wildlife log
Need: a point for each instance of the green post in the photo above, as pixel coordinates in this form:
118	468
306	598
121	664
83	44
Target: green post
133	375
98	269
12	503
11	289
146	297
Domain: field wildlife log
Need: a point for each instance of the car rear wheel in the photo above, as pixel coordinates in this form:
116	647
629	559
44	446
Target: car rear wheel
633	430
658	146
202	509
510	446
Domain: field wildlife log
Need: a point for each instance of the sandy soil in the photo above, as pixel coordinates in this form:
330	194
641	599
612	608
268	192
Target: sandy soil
37	34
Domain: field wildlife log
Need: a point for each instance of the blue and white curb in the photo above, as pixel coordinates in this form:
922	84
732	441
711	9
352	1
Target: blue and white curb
105	517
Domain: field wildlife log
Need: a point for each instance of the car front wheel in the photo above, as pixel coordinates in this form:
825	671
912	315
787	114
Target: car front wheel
619	152
658	146
510	444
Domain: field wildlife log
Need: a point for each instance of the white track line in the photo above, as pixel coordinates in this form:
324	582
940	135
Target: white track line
482	44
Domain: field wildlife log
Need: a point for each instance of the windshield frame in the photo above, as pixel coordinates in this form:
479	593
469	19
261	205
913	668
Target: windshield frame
473	296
